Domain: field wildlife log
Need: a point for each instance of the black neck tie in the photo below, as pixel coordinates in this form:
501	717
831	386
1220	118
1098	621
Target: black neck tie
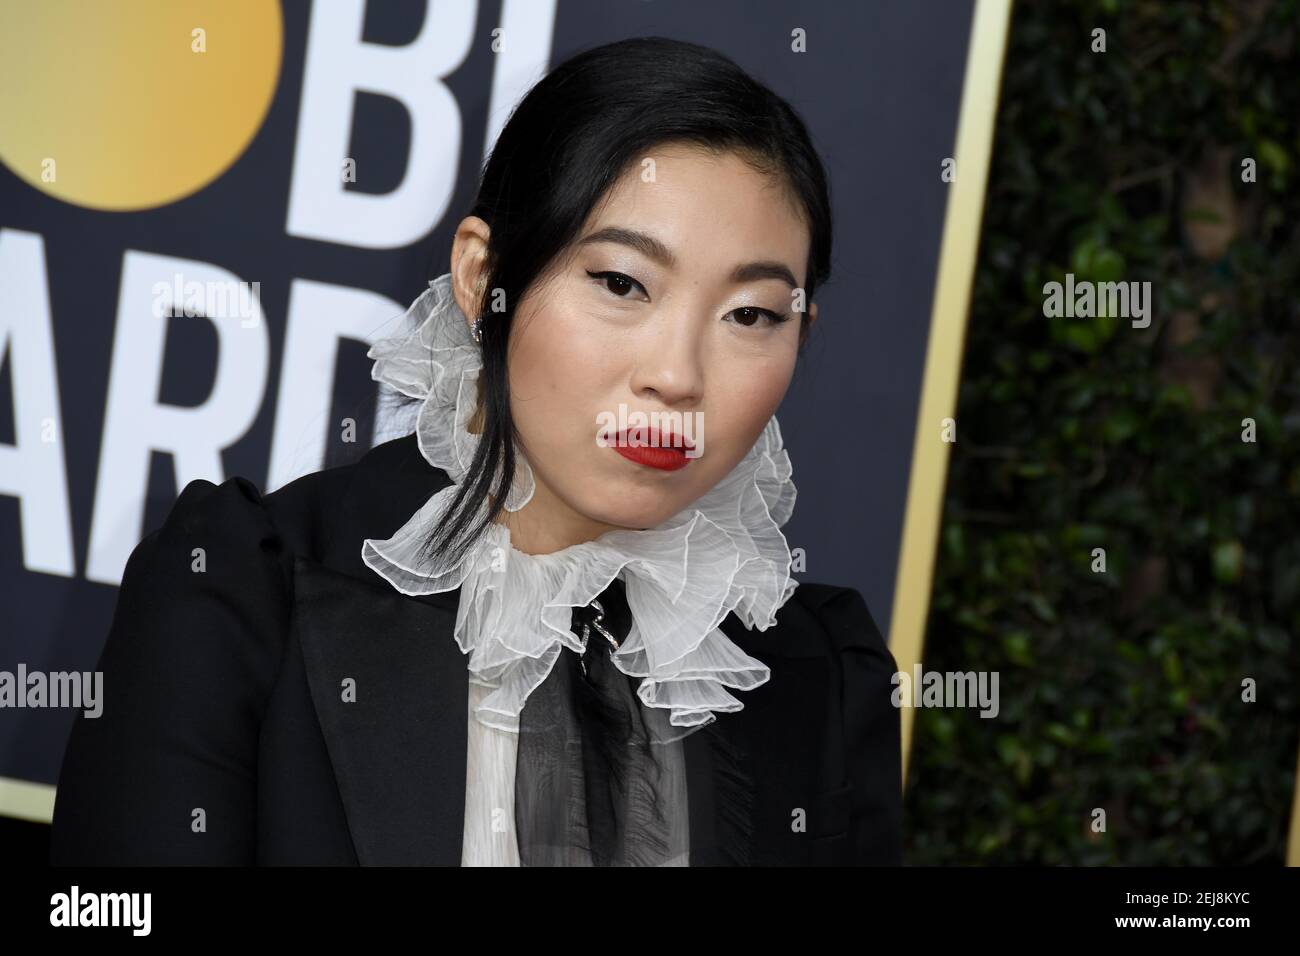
593	787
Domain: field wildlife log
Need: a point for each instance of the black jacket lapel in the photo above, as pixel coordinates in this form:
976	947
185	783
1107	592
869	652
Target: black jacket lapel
399	748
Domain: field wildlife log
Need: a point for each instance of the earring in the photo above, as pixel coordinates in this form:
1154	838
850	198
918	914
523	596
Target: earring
476	330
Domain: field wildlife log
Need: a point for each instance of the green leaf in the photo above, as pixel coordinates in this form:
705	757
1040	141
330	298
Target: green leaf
1173	668
1093	261
1061	734
1031	469
955	541
1120	425
1273	156
1040	606
1227	561
1018	648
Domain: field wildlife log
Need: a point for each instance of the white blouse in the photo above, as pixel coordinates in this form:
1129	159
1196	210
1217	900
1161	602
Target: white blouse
489	792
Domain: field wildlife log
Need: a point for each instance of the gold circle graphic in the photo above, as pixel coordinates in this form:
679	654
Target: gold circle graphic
119	104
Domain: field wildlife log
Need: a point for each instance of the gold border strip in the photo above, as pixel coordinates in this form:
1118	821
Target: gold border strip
961	231
1293	842
26	800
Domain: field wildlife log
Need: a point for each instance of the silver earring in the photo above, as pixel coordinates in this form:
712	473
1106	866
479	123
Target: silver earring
476	330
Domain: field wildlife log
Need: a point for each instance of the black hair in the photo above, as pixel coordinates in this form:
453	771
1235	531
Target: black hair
565	145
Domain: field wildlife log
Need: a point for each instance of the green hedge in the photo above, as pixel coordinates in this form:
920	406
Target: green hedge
1123	690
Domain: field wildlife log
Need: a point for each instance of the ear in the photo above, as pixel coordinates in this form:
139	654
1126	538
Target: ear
469	262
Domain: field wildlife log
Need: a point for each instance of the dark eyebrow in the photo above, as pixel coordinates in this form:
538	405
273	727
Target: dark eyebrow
652	248
754	271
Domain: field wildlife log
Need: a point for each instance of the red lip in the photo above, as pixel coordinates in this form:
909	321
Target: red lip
665	451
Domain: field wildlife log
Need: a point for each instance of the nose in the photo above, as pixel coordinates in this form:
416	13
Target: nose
670	367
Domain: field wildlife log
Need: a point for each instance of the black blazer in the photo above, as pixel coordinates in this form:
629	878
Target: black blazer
222	695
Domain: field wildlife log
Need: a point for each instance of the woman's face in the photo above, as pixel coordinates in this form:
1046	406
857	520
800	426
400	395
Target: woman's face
675	305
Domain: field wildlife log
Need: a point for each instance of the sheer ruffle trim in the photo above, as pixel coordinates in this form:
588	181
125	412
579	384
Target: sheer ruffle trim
440	362
724	554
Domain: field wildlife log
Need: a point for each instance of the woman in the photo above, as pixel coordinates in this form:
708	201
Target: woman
511	637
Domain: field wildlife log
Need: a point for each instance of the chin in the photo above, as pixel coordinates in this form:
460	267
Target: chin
638	509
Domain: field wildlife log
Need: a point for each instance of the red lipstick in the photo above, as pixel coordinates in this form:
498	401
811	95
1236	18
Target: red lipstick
663	450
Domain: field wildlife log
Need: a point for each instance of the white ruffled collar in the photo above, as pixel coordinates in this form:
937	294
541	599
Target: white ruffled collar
725	553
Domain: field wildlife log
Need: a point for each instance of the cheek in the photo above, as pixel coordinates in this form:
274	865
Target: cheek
556	364
753	391
535	387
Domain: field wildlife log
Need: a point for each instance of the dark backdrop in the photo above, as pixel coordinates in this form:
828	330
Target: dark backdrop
879	87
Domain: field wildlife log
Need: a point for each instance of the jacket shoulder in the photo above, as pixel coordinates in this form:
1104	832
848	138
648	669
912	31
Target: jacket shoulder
870	722
325	515
193	649
844	614
196	645
817	620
